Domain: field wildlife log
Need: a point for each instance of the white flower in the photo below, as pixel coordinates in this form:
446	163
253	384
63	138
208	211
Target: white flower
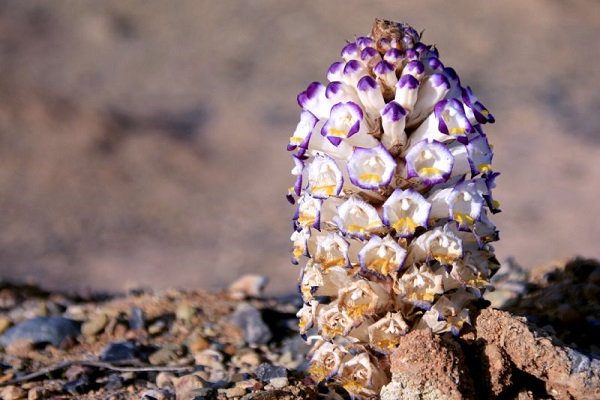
326	359
361	378
439	243
362	299
405	211
324	177
419	285
386	334
357	218
382	256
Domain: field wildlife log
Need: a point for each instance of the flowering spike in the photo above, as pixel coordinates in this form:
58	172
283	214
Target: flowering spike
394	178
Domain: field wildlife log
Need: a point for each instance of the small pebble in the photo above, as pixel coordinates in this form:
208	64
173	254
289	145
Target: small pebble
187	383
5	323
279	383
36	393
119	351
250	285
136	319
233	392
13	393
249	320
185	312
168	353
53	330
164	379
266	372
94	325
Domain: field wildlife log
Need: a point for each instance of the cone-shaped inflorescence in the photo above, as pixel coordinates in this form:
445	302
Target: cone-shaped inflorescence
393	191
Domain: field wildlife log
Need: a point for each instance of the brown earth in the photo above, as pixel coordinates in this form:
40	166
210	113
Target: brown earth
143	144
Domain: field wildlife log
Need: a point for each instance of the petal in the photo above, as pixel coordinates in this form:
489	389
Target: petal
339	92
308	213
431	91
357	218
393	121
386	334
405	210
303	131
350	52
480	155
370	95
332	250
313	99
363	298
336	71
448	122
324	177
353	71
407	91
370	56
382	257
371	169
430	161
344	121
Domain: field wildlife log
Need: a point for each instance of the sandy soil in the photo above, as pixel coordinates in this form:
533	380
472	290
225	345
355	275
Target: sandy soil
143	144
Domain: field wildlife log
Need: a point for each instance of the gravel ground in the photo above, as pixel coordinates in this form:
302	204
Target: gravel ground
239	344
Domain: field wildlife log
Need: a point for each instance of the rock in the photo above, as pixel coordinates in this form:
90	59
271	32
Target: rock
78	386
94	325
249	320
119	351
136	319
233	392
185	312
153	395
53	330
13	393
279	383
166	354
246	360
566	373
187	383
250	285
36	393
5	323
164	379
266	372
427	367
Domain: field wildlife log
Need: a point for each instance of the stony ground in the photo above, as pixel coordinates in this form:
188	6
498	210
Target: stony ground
239	344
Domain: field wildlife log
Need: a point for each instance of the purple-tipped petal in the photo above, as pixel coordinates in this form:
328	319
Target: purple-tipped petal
363	42
452	119
480	155
370	56
344	121
350	52
386	74
357	218
371	169
430	161
353	71
407	91
393	121
308	213
479	113
370	95
336	71
324	177
303	131
414	68
465	205
381	257
313	99
339	92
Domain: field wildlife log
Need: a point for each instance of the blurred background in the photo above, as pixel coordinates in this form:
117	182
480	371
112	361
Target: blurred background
142	143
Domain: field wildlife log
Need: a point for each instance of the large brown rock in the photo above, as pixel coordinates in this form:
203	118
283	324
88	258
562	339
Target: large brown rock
502	357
